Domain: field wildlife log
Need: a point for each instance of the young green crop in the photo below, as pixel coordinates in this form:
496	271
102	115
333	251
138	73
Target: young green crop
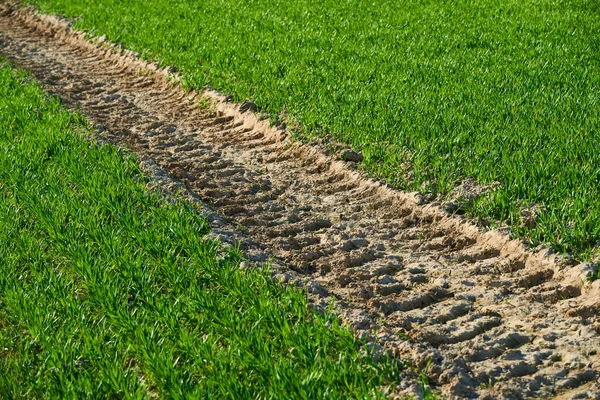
109	291
432	92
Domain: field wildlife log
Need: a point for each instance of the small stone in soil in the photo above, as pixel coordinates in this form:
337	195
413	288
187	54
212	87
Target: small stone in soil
351	155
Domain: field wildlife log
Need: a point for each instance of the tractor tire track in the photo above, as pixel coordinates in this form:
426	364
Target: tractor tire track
494	319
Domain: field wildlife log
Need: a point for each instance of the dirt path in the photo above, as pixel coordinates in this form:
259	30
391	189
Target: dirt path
494	319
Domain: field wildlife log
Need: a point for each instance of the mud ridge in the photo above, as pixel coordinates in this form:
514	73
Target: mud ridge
493	319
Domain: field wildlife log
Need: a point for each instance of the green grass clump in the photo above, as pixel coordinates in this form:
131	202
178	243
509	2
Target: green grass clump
108	291
432	92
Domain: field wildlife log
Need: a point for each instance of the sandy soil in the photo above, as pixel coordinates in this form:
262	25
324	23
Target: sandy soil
495	319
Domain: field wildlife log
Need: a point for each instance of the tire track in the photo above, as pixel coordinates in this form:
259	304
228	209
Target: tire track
495	320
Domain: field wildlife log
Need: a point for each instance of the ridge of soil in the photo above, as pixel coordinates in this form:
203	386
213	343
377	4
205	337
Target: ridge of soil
487	317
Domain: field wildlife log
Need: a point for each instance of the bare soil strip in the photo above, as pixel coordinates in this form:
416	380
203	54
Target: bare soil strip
494	319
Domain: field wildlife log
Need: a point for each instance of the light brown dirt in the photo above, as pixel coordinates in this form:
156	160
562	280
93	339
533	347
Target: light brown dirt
494	319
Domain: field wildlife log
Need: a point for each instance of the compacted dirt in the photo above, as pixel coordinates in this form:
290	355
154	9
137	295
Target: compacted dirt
484	316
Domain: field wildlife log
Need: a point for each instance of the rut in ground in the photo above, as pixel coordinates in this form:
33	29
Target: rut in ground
494	319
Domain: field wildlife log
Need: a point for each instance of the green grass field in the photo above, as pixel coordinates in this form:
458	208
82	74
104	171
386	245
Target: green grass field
109	291
432	92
